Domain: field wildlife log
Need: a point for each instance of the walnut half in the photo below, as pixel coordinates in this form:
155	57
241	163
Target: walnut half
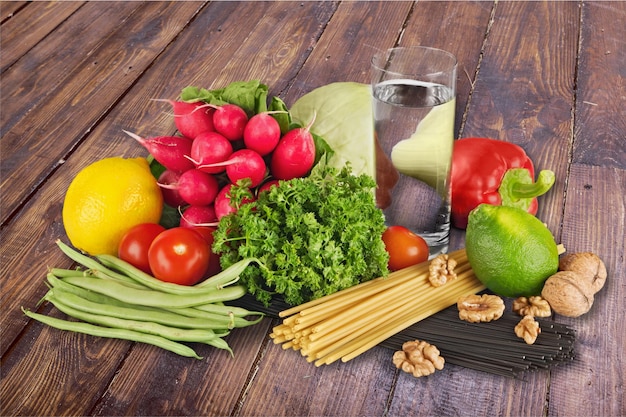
528	329
441	270
476	308
418	358
534	306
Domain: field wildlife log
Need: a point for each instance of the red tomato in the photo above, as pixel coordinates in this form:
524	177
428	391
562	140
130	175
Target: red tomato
133	247
405	248
214	261
179	255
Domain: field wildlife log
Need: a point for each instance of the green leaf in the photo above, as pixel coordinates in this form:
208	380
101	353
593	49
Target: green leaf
342	114
314	236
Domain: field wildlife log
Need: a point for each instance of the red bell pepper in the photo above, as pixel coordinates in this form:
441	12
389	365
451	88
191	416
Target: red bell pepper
494	172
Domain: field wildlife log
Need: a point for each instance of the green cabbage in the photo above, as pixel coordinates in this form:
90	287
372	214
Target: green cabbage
343	117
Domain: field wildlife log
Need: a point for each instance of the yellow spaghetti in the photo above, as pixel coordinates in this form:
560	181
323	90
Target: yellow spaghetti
345	324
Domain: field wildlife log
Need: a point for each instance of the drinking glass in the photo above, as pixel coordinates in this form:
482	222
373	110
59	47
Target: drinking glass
414	99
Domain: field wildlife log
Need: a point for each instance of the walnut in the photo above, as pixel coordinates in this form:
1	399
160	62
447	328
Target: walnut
534	306
568	293
477	308
528	329
418	358
587	264
441	270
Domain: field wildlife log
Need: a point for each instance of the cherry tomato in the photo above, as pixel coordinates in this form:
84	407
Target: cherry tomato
133	247
405	248
179	255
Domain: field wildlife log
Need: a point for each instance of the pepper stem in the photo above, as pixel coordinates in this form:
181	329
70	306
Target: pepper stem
544	182
517	188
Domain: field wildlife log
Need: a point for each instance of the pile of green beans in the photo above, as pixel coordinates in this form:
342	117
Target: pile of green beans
111	298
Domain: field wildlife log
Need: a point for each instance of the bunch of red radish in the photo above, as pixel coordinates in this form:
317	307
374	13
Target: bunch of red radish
219	146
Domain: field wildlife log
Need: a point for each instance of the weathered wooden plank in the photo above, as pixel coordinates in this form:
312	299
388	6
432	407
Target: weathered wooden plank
348	43
601	103
9	8
33	147
33	23
595	220
286	384
44	138
31	80
523	92
360	387
594	216
41	375
152	382
456	391
380	28
135	112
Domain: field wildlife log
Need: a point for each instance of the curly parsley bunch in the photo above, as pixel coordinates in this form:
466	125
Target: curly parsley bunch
313	236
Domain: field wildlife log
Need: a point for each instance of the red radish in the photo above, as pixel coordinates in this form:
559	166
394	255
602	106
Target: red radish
171	196
230	120
244	163
197	216
247	164
261	134
267	185
210	148
196	187
192	119
222	202
170	151
294	155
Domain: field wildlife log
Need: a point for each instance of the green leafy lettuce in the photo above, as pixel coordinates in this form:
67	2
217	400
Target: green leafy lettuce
313	236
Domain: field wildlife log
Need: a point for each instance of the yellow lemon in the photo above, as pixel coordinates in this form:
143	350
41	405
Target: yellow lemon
107	198
511	251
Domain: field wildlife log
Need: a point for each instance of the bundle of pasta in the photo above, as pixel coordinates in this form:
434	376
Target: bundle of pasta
346	324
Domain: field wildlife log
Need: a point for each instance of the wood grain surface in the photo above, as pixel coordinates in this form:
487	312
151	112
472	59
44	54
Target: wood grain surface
548	76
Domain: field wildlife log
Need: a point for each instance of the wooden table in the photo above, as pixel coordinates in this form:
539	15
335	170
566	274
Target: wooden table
548	76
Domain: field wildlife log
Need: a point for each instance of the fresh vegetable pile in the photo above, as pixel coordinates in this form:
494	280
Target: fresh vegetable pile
255	203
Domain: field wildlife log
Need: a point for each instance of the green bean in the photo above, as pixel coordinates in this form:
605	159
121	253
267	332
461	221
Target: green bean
62	273
224	309
124	334
148	280
227	276
154	298
220	344
168	332
93	296
92	264
161	316
206	312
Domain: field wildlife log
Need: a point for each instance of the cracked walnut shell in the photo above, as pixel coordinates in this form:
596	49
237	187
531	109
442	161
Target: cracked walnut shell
528	329
568	293
418	358
441	270
587	264
480	308
534	306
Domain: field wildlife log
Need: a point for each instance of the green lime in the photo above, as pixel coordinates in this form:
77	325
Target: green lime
511	251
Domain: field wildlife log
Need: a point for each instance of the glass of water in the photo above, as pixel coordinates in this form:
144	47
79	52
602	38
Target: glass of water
414	99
